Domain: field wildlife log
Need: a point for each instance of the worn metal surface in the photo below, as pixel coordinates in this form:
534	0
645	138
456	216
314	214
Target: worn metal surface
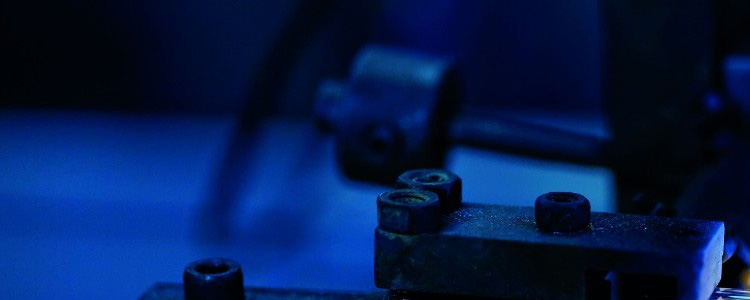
173	291
409	211
445	184
497	251
562	212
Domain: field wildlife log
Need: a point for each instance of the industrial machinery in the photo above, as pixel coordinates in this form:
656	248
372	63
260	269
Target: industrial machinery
376	95
429	244
400	110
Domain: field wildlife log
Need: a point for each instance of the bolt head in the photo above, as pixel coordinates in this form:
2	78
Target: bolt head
441	182
409	211
213	278
562	212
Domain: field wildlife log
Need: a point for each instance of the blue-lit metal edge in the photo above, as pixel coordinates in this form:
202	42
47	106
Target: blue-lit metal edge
726	294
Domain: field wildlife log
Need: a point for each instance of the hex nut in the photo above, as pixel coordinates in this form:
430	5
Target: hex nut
409	211
562	212
213	278
441	182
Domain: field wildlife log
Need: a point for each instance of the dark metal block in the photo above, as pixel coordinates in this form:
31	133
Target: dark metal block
498	251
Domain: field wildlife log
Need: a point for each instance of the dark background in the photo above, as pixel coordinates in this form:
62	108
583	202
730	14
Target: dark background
196	56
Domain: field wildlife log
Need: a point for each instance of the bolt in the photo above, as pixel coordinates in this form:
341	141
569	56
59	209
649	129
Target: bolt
213	278
562	212
409	211
441	182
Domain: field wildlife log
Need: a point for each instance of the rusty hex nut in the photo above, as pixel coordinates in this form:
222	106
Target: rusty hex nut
409	211
441	182
562	212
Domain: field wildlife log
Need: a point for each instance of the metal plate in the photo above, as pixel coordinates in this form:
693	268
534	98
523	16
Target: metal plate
497	251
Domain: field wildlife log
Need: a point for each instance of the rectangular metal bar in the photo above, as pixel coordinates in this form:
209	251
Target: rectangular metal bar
497	251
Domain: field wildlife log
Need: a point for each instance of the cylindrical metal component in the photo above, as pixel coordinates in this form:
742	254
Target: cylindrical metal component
441	182
213	278
562	212
393	114
409	211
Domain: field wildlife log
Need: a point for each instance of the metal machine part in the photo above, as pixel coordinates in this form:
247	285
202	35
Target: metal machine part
670	104
503	134
409	211
393	114
557	250
475	251
213	278
398	110
707	137
498	251
445	184
562	212
730	294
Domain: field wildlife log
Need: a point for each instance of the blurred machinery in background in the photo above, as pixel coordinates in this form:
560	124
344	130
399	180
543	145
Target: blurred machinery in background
399	110
675	94
672	79
670	125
